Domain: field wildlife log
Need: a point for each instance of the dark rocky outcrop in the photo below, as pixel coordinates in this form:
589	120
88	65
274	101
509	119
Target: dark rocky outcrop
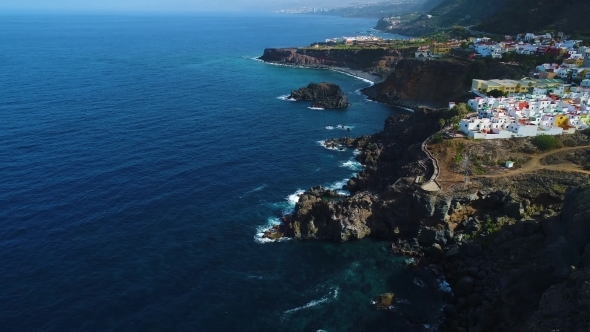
323	95
530	278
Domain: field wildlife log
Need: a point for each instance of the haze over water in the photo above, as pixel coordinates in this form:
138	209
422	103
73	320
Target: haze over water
140	157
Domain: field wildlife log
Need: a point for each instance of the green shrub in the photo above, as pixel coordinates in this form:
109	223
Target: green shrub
460	148
479	170
546	142
437	138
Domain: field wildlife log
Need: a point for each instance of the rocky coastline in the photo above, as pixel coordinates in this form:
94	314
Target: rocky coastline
504	245
515	250
400	79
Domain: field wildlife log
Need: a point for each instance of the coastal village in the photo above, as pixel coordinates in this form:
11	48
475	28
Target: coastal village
532	107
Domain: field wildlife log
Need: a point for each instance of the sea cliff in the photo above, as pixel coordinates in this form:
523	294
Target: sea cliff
405	80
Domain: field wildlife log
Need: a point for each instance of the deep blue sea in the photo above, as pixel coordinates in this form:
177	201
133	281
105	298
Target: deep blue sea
141	155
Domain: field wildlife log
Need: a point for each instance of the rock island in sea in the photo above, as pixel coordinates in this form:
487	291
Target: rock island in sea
514	245
323	95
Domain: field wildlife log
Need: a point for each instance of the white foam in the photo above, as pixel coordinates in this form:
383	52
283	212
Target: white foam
444	286
294	198
336	148
286	97
406	108
259	188
338	187
342	127
356	152
329	127
314	303
419	282
357	77
309	305
316	108
352	165
410	261
332	69
260	230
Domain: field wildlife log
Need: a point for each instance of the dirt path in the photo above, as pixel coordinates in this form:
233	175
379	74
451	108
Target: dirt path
535	164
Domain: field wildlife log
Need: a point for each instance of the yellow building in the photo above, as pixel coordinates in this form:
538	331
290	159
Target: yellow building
440	49
585	118
562	121
577	62
547	74
513	86
478	85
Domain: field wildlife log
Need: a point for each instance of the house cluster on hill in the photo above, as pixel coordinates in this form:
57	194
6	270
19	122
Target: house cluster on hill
576	69
351	40
526	44
545	108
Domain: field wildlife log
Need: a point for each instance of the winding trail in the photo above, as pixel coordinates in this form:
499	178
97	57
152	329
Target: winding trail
535	164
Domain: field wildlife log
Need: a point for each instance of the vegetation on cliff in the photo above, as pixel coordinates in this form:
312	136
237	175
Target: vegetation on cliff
519	16
497	16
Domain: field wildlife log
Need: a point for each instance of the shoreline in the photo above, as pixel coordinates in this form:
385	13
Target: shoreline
358	74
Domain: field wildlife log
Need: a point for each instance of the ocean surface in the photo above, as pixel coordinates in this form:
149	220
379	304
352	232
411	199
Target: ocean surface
141	157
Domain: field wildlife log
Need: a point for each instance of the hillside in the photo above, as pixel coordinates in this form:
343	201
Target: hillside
569	16
497	16
438	15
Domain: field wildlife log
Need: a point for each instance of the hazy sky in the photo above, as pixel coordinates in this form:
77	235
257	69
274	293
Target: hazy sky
160	5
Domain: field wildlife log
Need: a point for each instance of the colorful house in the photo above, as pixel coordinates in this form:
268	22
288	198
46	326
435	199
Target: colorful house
440	49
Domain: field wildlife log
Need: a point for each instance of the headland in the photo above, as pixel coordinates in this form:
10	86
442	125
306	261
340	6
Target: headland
513	243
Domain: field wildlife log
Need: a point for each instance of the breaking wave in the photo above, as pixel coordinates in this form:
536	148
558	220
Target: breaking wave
352	165
253	190
286	97
260	230
315	303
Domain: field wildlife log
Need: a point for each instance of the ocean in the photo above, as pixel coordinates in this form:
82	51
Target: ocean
140	158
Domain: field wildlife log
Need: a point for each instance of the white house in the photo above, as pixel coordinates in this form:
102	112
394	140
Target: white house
529	36
523	130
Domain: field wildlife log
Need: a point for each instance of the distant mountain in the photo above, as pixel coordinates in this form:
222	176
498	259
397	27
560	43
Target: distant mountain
376	9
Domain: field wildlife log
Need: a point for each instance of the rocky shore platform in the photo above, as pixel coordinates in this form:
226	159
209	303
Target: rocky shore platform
514	249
